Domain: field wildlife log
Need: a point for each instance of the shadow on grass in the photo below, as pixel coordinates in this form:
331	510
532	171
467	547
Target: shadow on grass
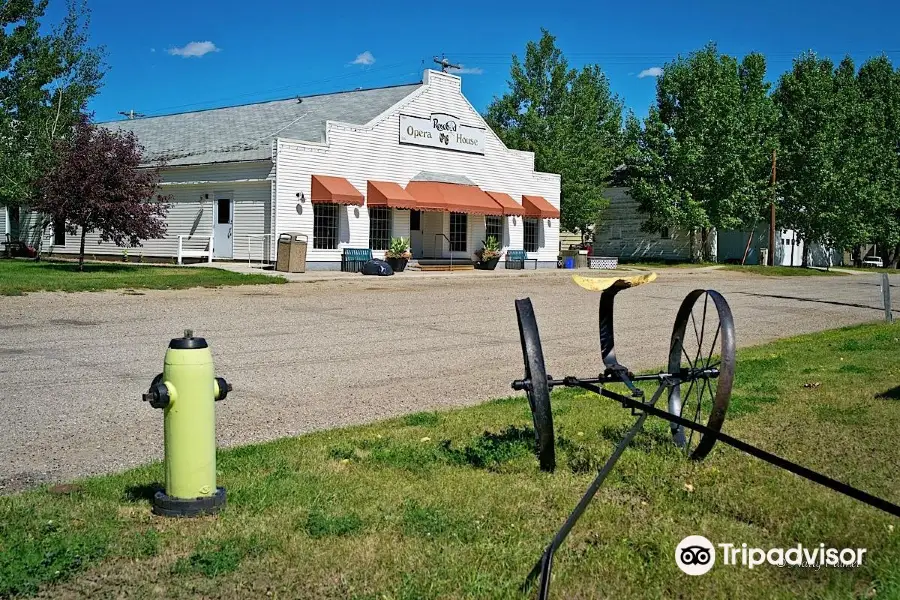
111	268
891	394
142	493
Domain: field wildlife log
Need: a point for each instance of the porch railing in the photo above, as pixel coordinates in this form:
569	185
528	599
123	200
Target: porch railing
449	247
267	240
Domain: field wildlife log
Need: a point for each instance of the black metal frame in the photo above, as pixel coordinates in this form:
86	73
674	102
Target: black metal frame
617	373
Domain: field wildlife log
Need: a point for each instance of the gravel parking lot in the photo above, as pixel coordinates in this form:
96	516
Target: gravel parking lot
307	356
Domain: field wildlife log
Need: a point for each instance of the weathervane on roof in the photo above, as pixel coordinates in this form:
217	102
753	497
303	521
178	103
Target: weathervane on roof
446	65
131	114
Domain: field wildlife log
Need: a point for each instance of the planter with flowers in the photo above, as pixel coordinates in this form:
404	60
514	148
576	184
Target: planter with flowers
488	255
398	254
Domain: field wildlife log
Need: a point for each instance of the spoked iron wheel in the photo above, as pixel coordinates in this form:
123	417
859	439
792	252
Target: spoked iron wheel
538	392
701	355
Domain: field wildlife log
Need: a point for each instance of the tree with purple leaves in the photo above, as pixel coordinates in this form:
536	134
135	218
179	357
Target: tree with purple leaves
98	184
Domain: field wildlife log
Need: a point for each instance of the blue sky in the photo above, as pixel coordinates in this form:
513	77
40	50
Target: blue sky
169	56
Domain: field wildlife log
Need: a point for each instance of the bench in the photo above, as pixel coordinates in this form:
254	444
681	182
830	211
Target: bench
353	259
516	259
205	251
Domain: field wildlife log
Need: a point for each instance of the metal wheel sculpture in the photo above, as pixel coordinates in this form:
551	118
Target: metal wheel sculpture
702	341
538	391
698	381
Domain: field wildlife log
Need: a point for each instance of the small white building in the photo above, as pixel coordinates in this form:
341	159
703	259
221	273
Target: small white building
349	170
620	235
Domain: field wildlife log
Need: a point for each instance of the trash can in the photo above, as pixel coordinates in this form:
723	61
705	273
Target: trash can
291	252
570	262
581	259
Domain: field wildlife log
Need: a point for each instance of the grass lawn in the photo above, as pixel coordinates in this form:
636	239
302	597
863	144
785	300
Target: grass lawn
452	504
18	277
780	271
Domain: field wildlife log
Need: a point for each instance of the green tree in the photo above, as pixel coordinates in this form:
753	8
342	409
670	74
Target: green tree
879	92
46	80
702	159
822	171
572	122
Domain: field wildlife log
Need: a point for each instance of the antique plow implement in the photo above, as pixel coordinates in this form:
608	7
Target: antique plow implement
697	387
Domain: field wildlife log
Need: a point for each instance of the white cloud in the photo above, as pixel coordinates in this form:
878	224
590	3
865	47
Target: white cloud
192	49
464	70
364	58
651	72
152	49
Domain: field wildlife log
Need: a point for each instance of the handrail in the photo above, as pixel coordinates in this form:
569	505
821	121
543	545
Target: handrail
263	253
449	248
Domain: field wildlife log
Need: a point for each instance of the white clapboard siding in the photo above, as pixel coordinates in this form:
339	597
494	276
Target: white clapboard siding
620	235
191	211
4	224
361	153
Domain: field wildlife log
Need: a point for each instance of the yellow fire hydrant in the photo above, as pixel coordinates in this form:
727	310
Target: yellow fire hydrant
187	391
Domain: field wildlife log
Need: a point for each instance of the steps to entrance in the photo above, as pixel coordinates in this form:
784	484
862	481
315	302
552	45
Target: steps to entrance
447	267
442	264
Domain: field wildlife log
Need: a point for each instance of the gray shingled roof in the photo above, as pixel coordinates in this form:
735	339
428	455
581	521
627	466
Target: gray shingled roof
442	178
246	132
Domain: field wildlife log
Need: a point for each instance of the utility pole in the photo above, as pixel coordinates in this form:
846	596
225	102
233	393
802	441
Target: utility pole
772	217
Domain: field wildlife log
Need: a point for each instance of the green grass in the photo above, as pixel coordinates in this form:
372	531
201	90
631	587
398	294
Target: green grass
18	277
779	271
452	504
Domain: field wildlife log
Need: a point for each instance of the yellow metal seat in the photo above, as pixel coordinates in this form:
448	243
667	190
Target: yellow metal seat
598	284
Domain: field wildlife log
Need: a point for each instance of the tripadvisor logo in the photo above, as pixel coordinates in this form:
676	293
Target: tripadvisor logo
696	555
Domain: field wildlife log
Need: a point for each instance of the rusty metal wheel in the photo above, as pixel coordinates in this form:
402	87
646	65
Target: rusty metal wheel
537	389
701	355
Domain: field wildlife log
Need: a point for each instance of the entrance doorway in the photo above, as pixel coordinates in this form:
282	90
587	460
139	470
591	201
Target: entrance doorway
223	217
415	233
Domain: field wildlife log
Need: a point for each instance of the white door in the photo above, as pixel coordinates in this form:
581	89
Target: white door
223	229
415	234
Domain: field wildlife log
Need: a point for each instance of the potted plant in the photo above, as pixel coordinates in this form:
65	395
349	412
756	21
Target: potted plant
398	254
488	255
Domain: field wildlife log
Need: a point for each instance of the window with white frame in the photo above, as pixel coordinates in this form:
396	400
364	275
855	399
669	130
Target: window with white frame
531	235
458	232
380	228
325	226
493	227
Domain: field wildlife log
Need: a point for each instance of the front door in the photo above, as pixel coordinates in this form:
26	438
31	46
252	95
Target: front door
415	233
223	229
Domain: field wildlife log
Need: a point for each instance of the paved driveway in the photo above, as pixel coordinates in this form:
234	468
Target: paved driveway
306	356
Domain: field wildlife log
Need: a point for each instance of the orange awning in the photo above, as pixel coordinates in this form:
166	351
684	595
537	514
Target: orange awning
510	206
388	194
537	206
336	190
452	197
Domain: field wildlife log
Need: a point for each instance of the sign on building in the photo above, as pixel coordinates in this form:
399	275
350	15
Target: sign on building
441	130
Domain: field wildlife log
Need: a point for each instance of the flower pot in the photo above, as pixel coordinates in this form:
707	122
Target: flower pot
487	265
397	264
